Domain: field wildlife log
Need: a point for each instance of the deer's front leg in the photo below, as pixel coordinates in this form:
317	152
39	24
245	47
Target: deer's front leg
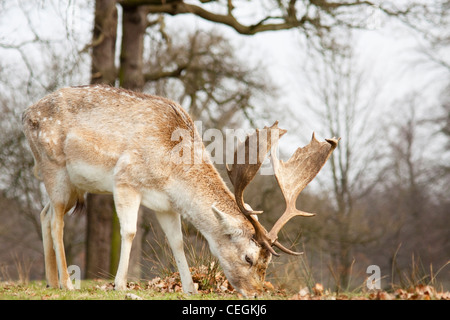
127	201
171	224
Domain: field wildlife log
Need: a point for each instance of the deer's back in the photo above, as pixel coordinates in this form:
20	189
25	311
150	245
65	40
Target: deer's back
97	125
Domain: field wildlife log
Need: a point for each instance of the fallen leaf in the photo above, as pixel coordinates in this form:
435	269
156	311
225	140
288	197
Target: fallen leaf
383	295
318	289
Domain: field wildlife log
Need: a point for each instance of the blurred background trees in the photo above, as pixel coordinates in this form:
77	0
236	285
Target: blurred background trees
382	198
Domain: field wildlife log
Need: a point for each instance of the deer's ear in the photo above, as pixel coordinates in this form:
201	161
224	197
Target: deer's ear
230	225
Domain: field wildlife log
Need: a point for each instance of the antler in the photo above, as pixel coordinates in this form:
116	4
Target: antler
294	175
256	146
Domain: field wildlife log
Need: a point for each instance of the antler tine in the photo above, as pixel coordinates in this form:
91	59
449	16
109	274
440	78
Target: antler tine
255	148
294	175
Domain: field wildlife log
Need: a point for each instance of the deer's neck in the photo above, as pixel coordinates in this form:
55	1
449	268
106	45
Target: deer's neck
194	196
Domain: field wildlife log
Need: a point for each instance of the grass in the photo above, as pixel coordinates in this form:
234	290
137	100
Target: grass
103	290
91	290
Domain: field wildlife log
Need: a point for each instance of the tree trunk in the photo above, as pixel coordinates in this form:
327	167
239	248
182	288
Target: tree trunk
100	208
98	239
103	69
134	24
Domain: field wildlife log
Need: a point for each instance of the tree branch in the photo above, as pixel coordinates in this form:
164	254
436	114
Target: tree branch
174	7
165	74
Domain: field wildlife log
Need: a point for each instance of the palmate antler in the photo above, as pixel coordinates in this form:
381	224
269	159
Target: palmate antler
292	176
255	148
295	174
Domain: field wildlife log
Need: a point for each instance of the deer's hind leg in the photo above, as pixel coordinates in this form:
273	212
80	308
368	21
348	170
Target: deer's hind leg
51	268
62	199
57	229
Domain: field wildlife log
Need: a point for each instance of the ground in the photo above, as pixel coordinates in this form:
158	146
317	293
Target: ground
156	290
98	290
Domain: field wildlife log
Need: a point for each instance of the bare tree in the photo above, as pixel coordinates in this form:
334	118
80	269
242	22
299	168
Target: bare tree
414	191
343	104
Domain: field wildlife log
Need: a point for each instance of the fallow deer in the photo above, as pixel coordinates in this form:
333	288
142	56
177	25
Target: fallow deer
101	139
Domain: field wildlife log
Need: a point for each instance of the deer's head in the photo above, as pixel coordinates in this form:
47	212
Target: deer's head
248	253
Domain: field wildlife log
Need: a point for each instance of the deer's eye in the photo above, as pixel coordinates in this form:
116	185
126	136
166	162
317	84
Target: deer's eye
249	260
